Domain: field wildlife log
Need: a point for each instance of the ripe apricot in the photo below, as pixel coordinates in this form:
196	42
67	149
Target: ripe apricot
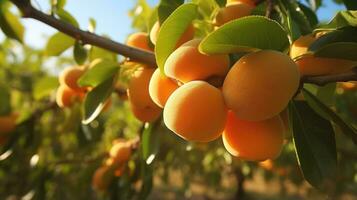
70	76
231	12
139	40
65	97
314	66
301	45
186	63
186	36
249	2
161	87
146	114
349	86
8	123
254	141
120	152
102	178
260	85
196	112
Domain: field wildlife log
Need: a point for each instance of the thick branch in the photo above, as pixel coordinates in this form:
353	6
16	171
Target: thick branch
323	80
86	37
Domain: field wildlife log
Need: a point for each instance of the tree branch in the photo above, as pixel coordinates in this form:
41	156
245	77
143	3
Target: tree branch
140	55
28	11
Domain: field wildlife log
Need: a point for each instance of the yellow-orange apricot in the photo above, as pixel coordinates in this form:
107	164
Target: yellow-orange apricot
139	40
349	86
146	114
8	123
102	178
161	87
120	152
65	97
186	63
231	12
314	66
196	112
260	85
70	76
267	165
301	45
249	2
186	36
254	141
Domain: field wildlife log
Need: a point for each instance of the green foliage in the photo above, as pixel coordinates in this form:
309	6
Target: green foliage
10	24
166	7
58	43
5	101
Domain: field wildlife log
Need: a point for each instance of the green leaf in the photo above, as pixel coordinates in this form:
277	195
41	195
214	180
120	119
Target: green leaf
339	50
246	34
314	102
10	24
326	94
171	31
150	141
5	101
347	34
350	4
298	15
315	146
95	100
341	19
166	7
79	53
92	25
58	43
44	87
311	15
221	3
67	17
97	52
99	73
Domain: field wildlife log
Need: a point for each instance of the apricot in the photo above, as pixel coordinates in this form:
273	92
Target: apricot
315	66
146	114
187	64
102	178
232	11
139	40
249	2
267	165
260	85
186	36
70	76
349	86
161	87
65	97
301	45
196	112
253	141
8	123
120	152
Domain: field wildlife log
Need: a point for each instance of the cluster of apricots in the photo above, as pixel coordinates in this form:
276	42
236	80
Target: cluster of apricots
69	91
7	125
114	166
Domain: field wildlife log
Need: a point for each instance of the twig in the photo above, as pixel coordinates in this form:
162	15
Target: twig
28	11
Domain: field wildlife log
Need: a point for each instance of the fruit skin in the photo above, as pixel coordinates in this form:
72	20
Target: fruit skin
8	123
301	45
186	36
231	12
315	66
196	112
102	178
65	97
253	141
120	152
139	40
260	85
161	87
70	76
187	64
147	114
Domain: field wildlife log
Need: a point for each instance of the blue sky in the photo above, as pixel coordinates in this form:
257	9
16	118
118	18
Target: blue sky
112	18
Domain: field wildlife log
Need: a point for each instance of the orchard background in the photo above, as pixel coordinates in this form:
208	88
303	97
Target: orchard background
94	144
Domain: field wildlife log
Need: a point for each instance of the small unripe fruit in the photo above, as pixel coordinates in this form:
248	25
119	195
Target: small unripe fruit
260	85
232	11
196	112
70	76
102	178
186	36
139	40
161	87
120	152
187	64
253	141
